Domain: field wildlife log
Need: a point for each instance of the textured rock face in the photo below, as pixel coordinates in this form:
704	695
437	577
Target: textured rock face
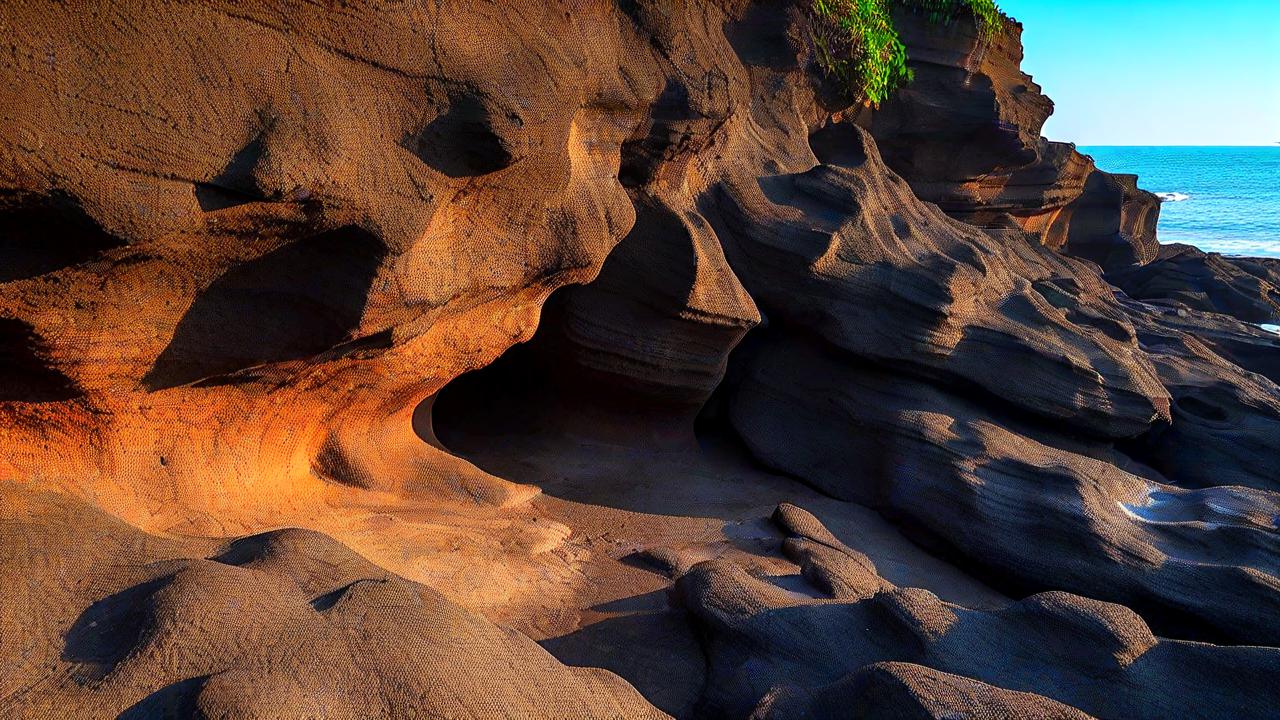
1182	276
1112	222
966	135
269	446
342	215
989	488
845	251
905	690
285	624
863	641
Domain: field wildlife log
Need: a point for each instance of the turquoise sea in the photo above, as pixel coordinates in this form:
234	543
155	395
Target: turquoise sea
1221	199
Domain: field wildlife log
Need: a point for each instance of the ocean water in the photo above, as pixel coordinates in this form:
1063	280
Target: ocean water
1220	199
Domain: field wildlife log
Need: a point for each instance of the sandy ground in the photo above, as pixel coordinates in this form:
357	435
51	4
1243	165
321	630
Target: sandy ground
698	500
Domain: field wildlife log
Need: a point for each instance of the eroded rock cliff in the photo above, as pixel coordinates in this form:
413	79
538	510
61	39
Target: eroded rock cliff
966	135
348	353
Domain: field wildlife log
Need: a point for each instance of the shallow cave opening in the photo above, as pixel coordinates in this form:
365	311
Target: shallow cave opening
500	399
544	387
47	234
539	414
298	300
466	140
548	393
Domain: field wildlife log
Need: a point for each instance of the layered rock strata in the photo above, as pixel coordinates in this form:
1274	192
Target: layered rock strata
270	446
966	135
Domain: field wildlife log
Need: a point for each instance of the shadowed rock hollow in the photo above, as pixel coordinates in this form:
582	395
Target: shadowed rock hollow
476	360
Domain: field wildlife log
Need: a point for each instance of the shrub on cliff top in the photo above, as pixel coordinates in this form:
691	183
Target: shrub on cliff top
986	15
855	41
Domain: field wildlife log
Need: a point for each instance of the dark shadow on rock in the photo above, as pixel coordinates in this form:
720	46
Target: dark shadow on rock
172	702
647	602
294	302
671	130
46	234
108	630
245	550
25	376
235	184
331	598
657	652
463	141
761	38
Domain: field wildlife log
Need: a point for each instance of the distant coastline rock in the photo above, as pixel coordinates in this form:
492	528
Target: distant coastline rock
1183	275
966	135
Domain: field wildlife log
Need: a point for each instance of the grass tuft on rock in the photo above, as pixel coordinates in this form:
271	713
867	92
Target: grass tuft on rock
855	41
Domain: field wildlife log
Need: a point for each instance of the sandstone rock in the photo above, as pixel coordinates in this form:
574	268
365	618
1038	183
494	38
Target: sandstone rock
846	250
783	654
1035	508
1112	222
283	624
966	136
1226	419
297	300
904	690
1183	276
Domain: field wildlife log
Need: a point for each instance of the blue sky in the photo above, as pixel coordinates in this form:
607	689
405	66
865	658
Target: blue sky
1148	72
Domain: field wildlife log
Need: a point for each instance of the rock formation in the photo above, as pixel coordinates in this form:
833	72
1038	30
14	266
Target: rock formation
409	360
858	640
1182	276
966	136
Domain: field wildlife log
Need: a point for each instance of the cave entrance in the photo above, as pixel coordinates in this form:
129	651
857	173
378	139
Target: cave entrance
539	415
551	386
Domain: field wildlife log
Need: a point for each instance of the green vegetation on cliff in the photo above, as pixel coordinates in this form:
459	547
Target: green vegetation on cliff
856	42
986	15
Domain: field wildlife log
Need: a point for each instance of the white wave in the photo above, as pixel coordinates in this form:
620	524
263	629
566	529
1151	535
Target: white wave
1172	196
